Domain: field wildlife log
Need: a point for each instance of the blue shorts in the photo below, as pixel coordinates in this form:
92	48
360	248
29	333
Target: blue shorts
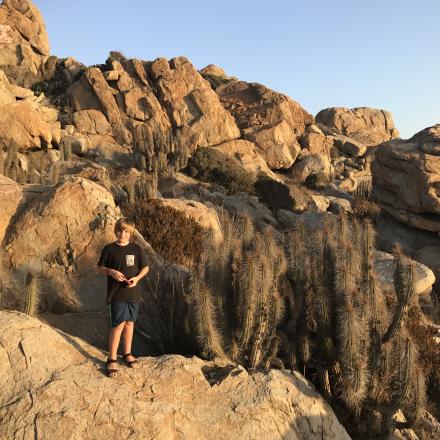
123	311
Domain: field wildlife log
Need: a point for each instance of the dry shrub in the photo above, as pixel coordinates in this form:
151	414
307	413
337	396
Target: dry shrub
177	238
365	208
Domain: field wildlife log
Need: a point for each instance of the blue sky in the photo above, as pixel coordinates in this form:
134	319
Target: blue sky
350	53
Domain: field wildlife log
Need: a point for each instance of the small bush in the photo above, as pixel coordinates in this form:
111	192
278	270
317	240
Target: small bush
116	55
317	181
214	80
273	193
174	236
365	208
209	165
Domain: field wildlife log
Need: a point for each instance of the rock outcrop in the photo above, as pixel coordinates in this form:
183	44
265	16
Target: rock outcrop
247	155
25	123
269	119
406	179
368	126
61	392
24	41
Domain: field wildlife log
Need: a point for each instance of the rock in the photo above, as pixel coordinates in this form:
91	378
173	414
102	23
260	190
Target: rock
318	203
316	143
21	125
87	170
76	144
91	122
62	391
182	186
313	164
243	204
59	234
206	217
349	146
333	190
424	277
338	204
26	43
212	69
366	125
11	195
267	118
248	156
23	93
391	231
191	102
112	154
406	177
429	256
7	95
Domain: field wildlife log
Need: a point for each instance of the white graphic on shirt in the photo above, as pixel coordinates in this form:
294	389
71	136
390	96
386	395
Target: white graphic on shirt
129	259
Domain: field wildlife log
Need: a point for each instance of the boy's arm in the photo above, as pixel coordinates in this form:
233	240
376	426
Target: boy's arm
118	276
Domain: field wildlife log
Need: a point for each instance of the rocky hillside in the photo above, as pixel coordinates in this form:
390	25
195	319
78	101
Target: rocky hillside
221	173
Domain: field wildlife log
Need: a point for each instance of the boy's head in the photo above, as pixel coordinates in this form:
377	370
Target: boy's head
124	228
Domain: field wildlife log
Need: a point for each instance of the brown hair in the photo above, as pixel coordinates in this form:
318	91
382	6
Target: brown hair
124	224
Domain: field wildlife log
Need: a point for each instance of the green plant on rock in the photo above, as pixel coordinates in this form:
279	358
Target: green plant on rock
235	297
339	329
273	193
209	165
215	81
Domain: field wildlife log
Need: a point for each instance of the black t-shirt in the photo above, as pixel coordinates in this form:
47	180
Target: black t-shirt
129	260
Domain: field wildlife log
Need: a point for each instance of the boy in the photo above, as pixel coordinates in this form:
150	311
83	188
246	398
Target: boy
124	263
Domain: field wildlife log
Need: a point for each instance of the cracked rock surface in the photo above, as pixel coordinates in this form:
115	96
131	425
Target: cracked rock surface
54	386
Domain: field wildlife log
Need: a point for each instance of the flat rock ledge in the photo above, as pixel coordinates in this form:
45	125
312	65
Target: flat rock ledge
53	386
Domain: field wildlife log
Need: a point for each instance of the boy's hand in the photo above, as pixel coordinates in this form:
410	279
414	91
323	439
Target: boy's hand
132	282
118	276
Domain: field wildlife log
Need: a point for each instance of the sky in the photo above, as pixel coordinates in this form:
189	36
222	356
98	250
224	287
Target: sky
324	53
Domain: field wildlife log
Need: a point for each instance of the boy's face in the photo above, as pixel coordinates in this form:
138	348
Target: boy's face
123	236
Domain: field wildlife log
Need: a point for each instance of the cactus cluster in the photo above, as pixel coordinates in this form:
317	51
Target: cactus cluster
339	328
235	295
159	150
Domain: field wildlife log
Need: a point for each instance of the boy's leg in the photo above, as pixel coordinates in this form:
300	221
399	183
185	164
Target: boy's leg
113	343
128	338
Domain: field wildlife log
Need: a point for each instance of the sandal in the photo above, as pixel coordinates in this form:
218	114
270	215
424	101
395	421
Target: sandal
111	371
129	363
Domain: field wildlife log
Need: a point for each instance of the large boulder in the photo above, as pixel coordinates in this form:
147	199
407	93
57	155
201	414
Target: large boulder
313	164
25	43
26	126
61	392
269	119
59	235
406	179
368	126
247	154
190	101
